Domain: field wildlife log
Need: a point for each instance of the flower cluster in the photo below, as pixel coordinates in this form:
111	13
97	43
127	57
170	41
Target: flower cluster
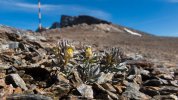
88	62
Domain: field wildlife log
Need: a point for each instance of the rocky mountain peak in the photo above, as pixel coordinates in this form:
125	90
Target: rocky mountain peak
75	20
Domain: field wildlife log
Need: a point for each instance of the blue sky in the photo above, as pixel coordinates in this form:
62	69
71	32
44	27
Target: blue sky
159	17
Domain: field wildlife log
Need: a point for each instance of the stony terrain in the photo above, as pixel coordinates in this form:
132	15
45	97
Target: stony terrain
34	67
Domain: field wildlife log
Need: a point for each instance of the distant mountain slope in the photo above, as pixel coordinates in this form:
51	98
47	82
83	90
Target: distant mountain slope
131	40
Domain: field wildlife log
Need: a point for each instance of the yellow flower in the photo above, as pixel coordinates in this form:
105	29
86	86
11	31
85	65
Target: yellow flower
69	53
88	52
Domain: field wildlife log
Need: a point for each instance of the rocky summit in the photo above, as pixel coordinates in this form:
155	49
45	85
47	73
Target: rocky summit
76	20
33	67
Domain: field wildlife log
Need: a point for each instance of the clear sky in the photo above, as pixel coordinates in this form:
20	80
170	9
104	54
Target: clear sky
159	17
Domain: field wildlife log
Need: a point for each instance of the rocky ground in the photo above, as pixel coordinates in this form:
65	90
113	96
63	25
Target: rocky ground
32	67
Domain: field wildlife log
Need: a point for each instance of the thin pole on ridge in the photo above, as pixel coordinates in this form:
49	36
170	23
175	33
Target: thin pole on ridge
39	15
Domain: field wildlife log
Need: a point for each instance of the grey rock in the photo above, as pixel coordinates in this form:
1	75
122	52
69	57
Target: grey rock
34	38
145	72
167	76
133	93
85	90
11	70
28	97
103	78
133	85
136	56
4	66
16	81
122	67
163	81
13	45
30	38
174	83
4	47
130	77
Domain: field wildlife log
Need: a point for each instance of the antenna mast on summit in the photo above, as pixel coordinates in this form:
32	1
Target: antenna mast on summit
39	15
